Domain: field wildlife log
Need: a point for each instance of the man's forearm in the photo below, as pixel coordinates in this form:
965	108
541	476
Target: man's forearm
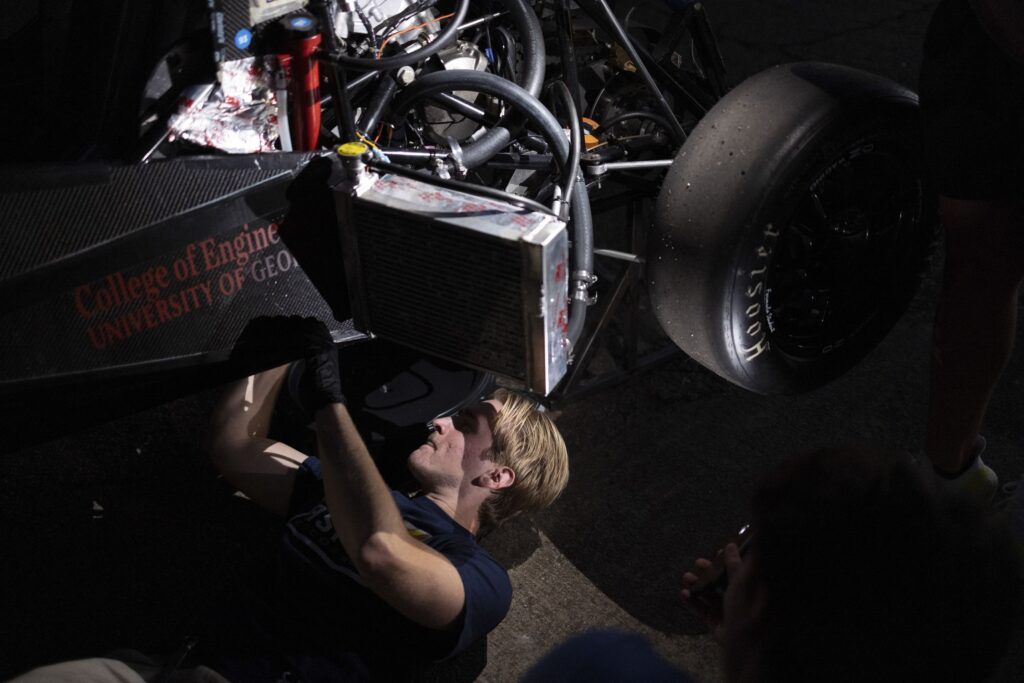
360	502
411	577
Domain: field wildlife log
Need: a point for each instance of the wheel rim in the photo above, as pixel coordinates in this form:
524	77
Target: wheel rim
843	258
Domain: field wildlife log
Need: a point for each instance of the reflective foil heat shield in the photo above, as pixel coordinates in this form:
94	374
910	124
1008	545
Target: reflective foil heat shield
467	278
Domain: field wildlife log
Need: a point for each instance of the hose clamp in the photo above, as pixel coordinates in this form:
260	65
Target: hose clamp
441	168
583	280
456	156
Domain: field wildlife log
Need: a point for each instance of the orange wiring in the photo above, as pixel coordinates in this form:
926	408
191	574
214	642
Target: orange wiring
380	131
394	35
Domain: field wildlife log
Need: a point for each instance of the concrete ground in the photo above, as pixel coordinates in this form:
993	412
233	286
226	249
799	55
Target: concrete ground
118	536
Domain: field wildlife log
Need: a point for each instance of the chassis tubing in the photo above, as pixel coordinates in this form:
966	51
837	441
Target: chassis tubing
582	220
573	165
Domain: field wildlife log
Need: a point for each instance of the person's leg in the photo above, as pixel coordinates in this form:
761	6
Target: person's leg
975	322
236	440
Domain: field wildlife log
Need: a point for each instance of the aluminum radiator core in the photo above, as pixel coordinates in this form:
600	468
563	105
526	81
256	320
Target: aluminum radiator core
468	278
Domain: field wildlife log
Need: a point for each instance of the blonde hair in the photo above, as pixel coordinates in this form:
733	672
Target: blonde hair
527	441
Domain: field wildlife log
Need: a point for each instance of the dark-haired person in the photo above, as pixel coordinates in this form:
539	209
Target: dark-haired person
972	104
860	569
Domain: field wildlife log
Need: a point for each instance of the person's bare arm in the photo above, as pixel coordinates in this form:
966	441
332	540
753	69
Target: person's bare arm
410	576
236	441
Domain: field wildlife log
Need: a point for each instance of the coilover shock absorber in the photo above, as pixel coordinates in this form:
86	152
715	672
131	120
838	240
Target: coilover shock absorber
303	38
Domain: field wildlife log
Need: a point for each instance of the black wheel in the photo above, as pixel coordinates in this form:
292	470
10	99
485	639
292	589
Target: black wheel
792	227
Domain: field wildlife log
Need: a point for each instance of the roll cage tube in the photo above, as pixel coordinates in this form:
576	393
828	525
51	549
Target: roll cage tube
600	10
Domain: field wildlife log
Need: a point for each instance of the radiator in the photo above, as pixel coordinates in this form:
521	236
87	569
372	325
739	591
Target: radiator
463	277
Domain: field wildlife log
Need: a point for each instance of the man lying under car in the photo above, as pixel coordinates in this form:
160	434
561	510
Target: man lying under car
370	580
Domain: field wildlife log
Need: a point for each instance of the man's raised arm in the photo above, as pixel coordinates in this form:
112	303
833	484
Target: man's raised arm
407	574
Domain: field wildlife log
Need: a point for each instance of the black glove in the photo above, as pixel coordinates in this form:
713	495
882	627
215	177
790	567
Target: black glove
272	340
321	379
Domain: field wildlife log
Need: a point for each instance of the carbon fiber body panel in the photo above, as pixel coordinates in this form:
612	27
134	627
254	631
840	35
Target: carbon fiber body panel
52	213
140	270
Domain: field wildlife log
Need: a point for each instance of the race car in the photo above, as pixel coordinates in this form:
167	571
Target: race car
500	191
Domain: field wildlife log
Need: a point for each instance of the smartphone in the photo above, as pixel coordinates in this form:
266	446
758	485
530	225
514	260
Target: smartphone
713	591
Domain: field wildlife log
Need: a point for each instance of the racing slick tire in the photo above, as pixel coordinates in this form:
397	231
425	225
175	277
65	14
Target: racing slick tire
792	227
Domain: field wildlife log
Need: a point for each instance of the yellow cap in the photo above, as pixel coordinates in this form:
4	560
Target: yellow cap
352	149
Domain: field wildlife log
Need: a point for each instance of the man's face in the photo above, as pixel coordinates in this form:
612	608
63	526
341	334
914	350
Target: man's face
454	453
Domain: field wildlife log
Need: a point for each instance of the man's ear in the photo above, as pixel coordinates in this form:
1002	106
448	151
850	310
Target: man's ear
500	477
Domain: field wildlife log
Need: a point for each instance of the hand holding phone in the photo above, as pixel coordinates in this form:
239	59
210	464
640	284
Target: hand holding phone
705	584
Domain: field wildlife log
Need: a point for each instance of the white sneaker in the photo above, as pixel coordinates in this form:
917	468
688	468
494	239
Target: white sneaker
979	483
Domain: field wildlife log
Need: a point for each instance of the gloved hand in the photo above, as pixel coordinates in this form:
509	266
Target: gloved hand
270	340
321	381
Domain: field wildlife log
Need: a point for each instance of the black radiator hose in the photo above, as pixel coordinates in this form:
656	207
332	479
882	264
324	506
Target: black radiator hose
431	84
582	260
548	126
532	80
484	149
532	37
381	97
